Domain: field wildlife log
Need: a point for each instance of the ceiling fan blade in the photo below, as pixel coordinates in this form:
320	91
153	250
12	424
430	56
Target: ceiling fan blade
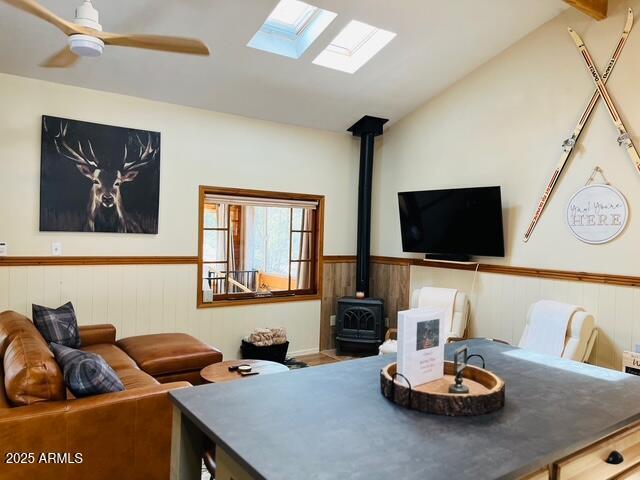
63	59
155	42
34	8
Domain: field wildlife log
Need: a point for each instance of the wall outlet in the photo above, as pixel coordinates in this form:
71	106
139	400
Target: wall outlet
56	249
3	249
332	321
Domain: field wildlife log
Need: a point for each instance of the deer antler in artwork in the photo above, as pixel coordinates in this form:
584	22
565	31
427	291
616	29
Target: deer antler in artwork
146	155
77	156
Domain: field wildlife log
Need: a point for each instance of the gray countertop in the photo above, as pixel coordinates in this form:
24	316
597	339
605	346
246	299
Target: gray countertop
331	422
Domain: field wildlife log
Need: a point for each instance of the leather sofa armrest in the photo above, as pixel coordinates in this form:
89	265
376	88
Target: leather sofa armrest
117	435
94	334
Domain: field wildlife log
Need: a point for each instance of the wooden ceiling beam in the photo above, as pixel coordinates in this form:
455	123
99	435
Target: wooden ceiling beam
594	8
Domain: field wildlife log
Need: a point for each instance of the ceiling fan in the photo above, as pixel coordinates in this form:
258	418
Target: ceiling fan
86	38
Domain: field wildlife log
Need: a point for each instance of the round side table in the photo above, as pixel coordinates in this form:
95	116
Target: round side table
219	372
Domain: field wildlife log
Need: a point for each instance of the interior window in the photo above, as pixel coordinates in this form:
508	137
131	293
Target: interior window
256	244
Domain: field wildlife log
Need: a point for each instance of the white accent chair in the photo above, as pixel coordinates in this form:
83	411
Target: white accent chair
579	340
458	322
460	313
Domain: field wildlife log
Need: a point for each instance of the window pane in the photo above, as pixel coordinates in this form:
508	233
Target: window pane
213	279
273	282
300	275
214	247
302	219
210	219
243	281
278	224
256	236
301	246
214	216
296	218
294	275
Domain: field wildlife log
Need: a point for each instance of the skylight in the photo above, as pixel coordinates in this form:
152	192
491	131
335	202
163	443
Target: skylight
291	14
354	46
291	28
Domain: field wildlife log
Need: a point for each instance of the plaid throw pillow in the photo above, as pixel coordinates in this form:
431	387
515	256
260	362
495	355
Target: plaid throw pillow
86	373
57	325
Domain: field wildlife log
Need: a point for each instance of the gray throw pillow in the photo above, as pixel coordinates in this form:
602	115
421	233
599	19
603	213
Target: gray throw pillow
86	373
57	325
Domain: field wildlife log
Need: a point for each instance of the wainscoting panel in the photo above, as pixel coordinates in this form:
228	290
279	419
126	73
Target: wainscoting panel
339	280
499	305
389	280
391	283
141	299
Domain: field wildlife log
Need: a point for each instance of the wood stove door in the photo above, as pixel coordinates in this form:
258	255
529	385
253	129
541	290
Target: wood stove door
360	322
347	326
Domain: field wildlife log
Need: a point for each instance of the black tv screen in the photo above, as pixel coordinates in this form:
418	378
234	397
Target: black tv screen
460	221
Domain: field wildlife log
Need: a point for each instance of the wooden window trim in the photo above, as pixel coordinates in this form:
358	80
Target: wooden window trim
316	260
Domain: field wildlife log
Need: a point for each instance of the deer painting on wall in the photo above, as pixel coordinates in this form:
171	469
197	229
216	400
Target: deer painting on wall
98	178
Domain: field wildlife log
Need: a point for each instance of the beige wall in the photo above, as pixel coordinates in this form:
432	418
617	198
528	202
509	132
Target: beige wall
503	125
198	147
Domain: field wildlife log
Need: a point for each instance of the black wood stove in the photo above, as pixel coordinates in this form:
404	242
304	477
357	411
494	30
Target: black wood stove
360	320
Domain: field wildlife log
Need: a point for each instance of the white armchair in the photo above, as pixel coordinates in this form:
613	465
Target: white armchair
458	322
460	313
580	336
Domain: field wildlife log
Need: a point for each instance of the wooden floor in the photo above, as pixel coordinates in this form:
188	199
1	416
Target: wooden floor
323	357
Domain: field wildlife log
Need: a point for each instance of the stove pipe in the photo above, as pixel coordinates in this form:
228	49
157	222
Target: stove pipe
367	128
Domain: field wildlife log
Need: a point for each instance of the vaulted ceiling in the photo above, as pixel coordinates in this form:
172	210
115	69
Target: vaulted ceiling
438	42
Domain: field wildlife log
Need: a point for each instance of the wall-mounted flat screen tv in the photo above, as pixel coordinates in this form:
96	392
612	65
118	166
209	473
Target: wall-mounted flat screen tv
453	223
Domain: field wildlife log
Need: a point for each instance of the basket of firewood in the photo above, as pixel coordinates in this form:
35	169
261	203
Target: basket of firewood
266	344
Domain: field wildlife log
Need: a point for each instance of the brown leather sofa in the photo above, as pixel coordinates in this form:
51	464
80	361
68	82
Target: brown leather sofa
123	435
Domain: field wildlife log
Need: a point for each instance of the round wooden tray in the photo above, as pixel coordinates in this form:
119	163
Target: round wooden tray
486	392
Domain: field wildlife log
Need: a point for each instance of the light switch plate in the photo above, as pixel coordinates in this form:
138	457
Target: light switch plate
332	321
3	249
56	249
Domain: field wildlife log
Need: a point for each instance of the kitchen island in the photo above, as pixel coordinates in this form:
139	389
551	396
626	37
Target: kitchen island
331	422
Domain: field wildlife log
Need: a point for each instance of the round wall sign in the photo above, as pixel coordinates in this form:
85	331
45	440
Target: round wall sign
597	213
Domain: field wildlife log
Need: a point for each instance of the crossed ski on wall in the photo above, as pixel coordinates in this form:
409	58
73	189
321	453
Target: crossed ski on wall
624	139
569	144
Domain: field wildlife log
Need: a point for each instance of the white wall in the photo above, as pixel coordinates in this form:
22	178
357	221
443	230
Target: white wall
503	125
198	147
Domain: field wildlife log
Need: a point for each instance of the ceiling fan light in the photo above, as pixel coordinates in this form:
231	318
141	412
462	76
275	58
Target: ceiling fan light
86	45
